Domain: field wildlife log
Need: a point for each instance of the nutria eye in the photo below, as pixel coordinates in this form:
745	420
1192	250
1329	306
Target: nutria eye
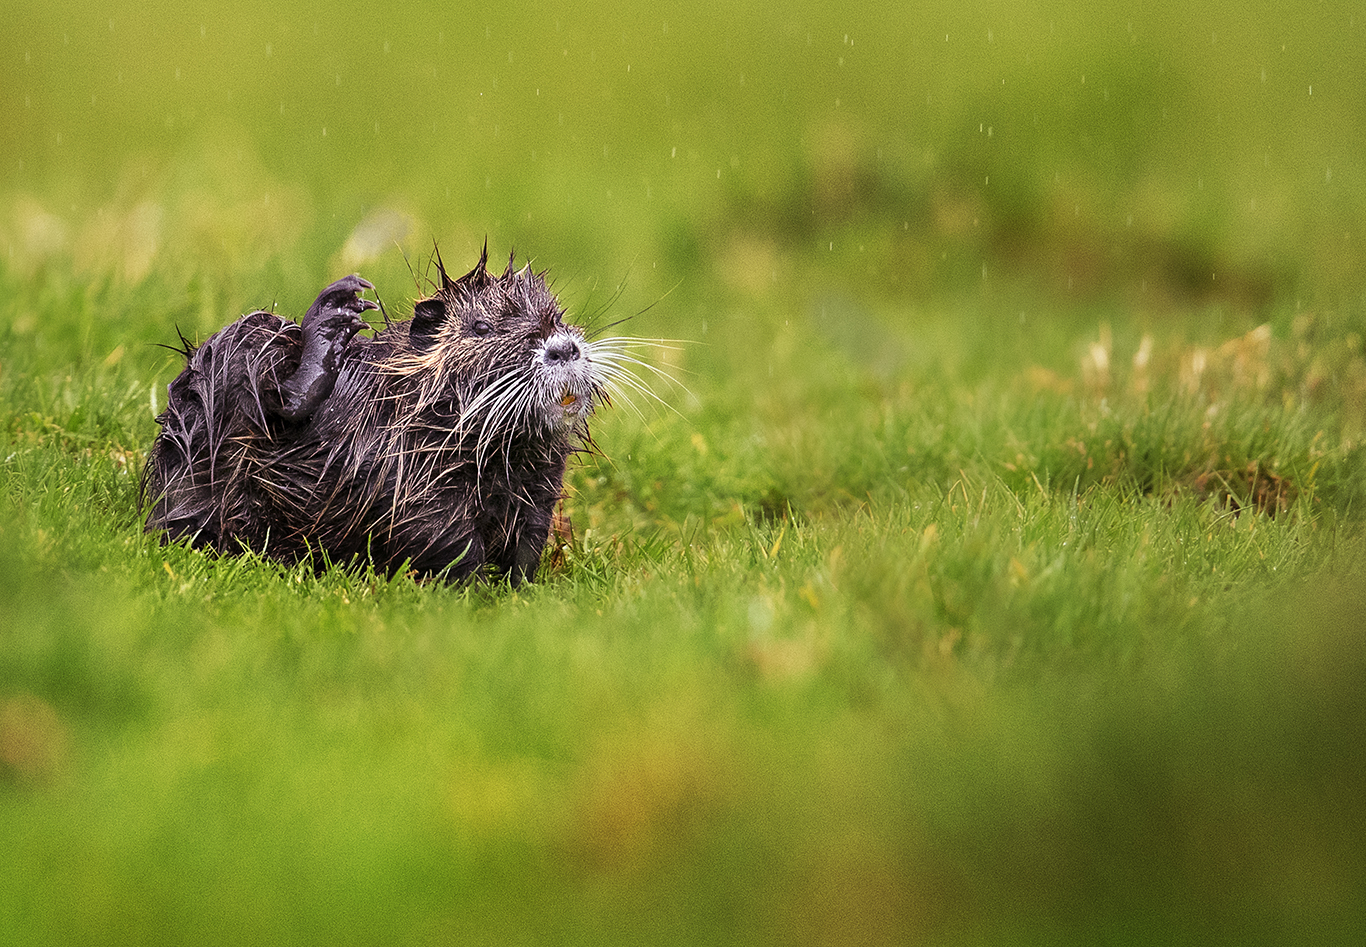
481	328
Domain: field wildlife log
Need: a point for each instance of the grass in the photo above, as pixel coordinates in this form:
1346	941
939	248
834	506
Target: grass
992	576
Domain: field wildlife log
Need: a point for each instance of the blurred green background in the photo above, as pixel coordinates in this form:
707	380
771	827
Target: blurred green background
998	579
1169	152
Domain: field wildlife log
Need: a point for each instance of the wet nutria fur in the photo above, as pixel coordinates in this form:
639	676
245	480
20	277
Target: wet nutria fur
438	445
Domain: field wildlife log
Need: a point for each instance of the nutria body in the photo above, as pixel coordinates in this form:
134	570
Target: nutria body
438	445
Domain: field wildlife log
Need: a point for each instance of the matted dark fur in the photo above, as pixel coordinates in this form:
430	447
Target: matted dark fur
440	444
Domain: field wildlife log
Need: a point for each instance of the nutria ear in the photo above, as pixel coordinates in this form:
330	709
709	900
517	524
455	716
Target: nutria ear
428	315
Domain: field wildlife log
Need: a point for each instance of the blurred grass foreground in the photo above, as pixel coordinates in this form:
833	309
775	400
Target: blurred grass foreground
992	576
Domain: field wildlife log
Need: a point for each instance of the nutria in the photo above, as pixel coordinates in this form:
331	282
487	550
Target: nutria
439	445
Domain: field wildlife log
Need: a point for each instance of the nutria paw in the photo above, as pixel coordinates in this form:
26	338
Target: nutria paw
335	314
329	325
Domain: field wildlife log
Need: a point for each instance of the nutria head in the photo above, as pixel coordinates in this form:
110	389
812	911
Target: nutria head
500	347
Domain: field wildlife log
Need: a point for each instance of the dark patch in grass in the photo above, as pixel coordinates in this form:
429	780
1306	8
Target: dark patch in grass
1250	488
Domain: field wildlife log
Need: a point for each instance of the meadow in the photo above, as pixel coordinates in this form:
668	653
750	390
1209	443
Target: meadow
990	572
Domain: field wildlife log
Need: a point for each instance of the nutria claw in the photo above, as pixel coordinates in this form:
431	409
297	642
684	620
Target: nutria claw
335	314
